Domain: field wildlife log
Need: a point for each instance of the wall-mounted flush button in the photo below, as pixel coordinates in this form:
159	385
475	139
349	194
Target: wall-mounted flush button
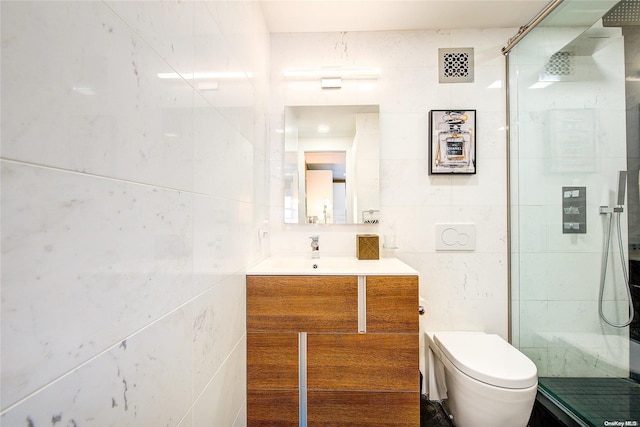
455	237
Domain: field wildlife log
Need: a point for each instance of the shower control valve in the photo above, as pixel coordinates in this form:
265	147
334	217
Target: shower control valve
609	210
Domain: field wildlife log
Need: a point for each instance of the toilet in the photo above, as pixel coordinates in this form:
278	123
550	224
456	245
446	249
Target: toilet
485	380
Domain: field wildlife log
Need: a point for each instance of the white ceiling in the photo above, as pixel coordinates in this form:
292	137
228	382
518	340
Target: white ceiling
284	16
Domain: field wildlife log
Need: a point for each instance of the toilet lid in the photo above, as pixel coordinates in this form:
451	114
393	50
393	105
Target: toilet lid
488	358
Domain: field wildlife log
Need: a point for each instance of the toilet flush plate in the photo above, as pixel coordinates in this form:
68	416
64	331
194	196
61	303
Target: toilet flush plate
455	237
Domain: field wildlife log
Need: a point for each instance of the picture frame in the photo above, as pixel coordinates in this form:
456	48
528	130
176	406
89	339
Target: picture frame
452	142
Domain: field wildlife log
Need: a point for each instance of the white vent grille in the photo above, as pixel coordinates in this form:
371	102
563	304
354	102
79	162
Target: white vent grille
456	65
560	64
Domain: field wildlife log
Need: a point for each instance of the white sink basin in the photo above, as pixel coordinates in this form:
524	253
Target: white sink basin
331	266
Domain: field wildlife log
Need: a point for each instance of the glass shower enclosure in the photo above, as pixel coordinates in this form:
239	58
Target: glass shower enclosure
573	93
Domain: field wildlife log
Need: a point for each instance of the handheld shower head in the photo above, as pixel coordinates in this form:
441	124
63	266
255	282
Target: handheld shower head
622	185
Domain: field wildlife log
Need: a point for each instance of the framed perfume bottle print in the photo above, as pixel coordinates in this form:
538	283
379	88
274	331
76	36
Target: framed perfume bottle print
452	142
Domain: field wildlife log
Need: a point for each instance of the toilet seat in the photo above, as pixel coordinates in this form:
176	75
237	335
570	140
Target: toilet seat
487	358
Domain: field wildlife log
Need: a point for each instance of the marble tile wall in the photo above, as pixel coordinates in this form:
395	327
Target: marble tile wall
130	209
557	276
463	290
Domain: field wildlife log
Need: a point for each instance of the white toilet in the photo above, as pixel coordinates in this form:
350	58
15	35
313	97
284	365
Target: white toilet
487	382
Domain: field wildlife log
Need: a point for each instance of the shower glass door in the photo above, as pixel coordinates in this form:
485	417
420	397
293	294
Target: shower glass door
574	90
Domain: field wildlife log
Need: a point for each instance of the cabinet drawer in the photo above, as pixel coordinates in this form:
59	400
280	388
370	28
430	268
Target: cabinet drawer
363	362
272	360
270	408
302	303
392	304
357	409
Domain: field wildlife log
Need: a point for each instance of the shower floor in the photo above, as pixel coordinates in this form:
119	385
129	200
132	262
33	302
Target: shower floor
597	400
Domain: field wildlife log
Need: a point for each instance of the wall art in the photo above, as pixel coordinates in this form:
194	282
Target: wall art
452	142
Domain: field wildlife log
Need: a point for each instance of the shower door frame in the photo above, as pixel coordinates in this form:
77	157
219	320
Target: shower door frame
512	42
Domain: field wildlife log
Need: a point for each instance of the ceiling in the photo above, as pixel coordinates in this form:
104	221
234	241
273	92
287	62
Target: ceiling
284	16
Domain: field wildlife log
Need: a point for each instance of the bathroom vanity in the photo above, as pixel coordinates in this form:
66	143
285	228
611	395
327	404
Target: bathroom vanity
332	341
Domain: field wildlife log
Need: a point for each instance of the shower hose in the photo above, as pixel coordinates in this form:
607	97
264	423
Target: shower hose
603	276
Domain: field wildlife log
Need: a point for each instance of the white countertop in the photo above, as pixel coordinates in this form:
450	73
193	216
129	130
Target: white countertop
331	266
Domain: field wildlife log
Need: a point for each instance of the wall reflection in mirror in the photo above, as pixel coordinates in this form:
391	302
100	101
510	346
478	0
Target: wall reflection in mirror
332	164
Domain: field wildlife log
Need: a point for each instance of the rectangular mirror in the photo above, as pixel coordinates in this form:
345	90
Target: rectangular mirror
332	164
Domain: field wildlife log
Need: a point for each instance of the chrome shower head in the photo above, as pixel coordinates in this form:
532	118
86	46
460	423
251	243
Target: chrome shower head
624	13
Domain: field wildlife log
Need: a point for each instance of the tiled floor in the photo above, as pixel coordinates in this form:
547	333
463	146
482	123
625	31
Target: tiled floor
596	400
432	414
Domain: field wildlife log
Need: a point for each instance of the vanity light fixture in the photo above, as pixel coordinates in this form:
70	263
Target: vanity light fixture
331	83
332	77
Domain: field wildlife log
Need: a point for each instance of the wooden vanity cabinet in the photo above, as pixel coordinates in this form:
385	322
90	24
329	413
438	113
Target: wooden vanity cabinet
302	303
392	304
336	350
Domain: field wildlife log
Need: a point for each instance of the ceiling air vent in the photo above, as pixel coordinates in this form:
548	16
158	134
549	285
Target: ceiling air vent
455	65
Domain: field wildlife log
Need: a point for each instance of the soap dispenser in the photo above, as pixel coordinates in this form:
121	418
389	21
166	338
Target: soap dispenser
315	246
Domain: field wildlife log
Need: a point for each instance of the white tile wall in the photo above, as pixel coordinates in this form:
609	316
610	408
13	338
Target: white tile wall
464	290
130	209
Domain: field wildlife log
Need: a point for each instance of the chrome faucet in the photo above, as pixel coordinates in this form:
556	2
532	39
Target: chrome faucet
315	246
